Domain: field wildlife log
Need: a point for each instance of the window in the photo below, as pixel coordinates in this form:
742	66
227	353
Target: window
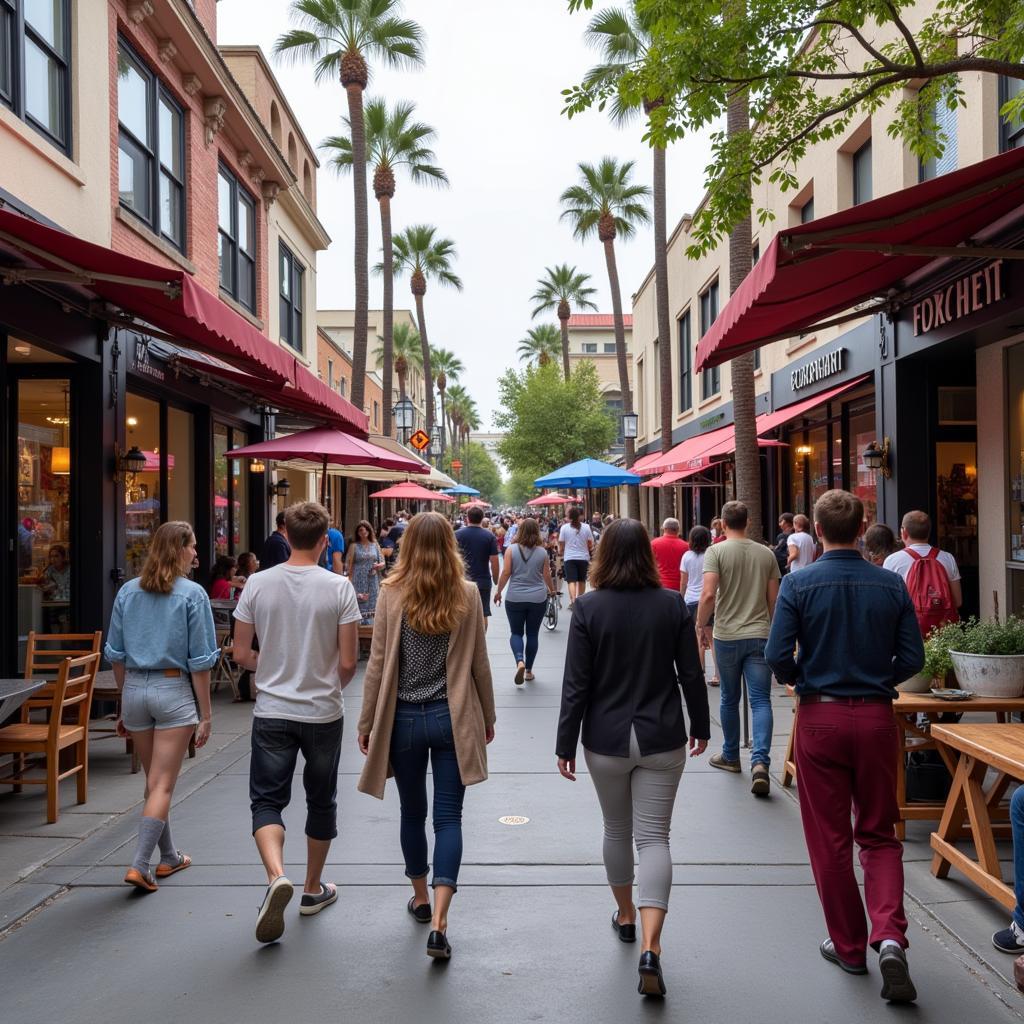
590	347
236	231
151	149
330	374
609	348
710	380
376	412
862	174
685	364
291	306
807	211
657	386
945	124
755	255
35	64
1011	134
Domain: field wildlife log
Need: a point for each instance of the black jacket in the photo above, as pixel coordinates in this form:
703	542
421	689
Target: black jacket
629	653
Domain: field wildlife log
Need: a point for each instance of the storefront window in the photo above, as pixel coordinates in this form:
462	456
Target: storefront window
142	490
44	468
798	449
230	492
818	459
956	485
181	503
221	519
863	481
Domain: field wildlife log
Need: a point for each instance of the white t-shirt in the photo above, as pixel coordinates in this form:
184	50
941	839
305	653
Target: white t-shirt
900	562
804	544
575	542
296	610
693	565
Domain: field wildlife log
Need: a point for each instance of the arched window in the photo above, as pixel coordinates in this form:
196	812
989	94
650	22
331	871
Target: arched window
293	154
275	123
307	181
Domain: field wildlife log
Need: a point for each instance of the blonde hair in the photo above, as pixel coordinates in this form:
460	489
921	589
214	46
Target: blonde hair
430	575
163	563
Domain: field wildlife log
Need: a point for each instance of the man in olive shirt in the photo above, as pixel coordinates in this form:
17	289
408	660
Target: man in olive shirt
741	583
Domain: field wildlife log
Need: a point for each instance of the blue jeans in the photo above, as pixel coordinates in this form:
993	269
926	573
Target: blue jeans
738	660
422	731
1017	826
525	617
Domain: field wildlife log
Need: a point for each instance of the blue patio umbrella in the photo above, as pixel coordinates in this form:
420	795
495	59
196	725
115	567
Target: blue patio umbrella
587	473
460	489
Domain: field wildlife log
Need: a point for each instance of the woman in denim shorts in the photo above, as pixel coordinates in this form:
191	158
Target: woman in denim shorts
161	631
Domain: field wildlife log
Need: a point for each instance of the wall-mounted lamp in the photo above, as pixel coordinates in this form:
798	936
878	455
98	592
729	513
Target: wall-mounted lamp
129	463
876	457
630	424
257	466
280	489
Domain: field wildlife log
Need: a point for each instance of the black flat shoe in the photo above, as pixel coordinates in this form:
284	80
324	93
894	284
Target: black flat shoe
626	932
438	946
652	983
422	913
828	951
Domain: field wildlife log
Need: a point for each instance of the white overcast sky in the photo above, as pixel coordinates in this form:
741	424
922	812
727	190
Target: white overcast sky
491	86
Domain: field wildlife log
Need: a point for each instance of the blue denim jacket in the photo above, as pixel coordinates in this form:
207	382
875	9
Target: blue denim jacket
855	625
153	631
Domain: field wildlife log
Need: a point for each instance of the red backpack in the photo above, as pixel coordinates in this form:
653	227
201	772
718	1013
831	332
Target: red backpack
929	588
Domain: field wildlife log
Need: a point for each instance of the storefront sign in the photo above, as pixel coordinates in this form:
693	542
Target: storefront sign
964	296
712	420
827	365
142	364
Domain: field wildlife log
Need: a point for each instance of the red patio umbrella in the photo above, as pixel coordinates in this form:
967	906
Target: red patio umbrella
327	446
554	498
411	492
475	503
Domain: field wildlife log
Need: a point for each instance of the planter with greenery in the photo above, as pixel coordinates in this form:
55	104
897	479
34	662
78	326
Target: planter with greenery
987	657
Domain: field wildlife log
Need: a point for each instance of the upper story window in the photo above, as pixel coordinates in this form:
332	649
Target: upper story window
862	184
1011	133
755	255
35	65
807	211
291	305
151	149
330	374
945	123
236	230
590	347
685	363
710	380
609	348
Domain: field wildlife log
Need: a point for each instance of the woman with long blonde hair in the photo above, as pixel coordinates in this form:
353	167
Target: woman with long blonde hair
427	694
161	632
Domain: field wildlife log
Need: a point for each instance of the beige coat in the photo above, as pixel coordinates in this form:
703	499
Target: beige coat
470	693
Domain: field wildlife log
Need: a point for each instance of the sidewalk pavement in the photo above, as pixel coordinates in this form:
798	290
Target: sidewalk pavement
530	925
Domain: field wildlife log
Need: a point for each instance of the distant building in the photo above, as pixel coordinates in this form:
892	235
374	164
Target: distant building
592	340
490	441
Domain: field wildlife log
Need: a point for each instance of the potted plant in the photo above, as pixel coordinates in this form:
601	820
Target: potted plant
987	657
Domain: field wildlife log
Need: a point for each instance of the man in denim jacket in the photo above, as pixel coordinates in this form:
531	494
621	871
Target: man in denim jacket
858	638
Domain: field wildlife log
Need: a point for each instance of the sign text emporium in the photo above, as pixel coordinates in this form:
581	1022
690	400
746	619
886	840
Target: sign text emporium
826	365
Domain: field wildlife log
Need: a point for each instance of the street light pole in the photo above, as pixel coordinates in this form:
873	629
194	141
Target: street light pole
404	412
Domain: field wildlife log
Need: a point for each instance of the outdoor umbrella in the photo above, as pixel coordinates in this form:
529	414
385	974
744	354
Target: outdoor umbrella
474	504
327	446
587	473
554	498
411	491
461	489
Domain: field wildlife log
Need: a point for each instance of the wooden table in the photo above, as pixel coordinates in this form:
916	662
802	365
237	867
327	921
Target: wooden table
977	748
14	693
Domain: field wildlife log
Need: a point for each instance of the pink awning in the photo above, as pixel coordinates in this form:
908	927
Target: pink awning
411	492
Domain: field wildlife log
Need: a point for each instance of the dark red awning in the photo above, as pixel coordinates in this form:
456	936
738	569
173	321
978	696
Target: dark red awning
175	304
828	266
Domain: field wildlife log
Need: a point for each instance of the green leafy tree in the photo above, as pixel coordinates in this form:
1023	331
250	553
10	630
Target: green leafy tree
561	288
446	366
478	470
549	421
607	203
541	345
405	351
394	139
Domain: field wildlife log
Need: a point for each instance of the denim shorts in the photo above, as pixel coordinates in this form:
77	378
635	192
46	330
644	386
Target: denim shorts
153	700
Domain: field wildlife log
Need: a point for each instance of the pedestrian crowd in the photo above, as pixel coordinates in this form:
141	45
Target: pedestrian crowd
633	690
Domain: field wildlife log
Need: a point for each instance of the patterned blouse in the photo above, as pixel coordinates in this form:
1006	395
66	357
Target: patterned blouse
422	666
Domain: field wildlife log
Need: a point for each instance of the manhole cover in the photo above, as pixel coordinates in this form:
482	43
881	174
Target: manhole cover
513	819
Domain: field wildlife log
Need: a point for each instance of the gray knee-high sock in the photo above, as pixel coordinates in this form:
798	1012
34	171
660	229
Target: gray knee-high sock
149	836
168	851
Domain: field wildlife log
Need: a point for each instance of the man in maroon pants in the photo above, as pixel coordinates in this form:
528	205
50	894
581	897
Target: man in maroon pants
858	638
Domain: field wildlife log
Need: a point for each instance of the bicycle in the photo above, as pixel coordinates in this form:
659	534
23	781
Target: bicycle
551	611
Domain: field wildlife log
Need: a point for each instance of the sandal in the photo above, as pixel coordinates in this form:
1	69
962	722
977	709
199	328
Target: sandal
142	882
529	677
166	870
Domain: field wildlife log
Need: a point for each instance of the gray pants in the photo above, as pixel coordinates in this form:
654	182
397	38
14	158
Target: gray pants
637	795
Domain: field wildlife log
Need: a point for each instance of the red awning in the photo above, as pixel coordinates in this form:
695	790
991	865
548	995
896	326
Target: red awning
688	451
828	266
771	420
667	479
171	301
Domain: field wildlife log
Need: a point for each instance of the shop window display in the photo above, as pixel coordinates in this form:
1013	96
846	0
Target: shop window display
142	490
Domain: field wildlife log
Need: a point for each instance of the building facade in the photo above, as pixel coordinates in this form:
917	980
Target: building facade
592	340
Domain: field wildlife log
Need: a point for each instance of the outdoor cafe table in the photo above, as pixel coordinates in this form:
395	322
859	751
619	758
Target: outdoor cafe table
14	693
977	748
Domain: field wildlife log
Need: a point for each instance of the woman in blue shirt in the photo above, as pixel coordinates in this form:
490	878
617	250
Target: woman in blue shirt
161	632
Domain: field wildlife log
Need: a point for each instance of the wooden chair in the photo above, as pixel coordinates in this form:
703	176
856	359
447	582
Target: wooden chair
365	640
226	667
67	727
45	653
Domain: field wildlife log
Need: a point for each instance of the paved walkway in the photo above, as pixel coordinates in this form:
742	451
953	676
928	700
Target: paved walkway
530	926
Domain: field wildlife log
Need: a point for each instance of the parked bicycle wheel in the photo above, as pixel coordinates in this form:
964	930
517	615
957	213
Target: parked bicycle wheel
551	614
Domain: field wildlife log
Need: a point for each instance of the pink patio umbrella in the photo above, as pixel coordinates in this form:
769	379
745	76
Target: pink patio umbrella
410	492
554	498
327	446
475	503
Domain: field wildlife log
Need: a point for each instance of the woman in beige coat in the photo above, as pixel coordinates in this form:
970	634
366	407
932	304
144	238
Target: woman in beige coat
427	694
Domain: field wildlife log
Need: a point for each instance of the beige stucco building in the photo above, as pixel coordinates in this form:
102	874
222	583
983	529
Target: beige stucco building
592	340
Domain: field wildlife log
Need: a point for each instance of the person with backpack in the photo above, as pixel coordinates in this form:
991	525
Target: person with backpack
781	546
931	575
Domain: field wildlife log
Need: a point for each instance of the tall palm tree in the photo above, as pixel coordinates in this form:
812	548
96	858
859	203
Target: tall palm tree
341	37
393	140
405	349
607	203
560	289
541	345
424	257
446	366
458	401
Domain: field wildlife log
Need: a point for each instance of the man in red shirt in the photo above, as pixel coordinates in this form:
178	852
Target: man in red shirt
669	549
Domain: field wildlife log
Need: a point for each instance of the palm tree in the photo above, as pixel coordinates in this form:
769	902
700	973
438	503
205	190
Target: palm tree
562	288
393	140
541	345
458	401
606	203
423	257
446	366
340	37
405	349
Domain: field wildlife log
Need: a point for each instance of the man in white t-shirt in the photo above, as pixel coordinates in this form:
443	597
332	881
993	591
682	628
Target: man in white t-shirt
915	531
800	545
307	624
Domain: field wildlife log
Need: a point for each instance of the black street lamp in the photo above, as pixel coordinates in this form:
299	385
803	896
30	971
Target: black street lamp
404	413
630	424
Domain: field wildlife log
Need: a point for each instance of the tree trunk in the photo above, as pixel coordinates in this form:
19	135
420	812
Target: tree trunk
428	377
620	358
563	323
389	310
664	323
440	392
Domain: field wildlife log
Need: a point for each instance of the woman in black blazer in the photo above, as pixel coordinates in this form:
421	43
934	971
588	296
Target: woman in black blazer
632	647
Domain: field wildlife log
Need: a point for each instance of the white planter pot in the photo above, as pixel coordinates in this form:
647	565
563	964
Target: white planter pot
990	675
917	684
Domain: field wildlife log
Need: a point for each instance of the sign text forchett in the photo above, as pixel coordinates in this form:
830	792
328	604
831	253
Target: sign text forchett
826	365
964	296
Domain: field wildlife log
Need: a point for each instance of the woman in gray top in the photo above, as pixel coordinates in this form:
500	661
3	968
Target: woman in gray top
527	571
